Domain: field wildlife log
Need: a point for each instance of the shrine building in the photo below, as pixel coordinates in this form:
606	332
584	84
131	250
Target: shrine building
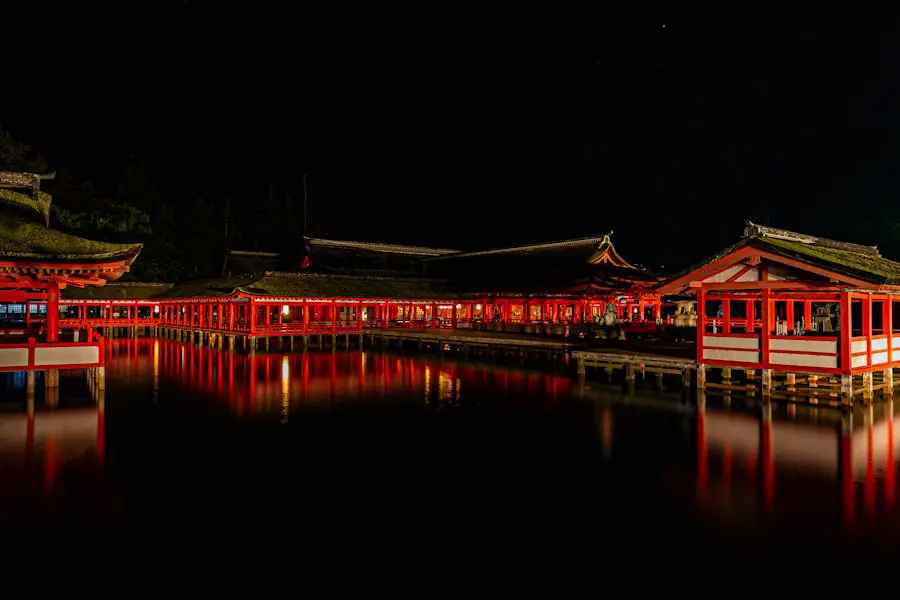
36	263
788	303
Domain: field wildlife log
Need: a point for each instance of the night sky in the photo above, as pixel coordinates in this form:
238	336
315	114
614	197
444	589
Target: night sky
471	128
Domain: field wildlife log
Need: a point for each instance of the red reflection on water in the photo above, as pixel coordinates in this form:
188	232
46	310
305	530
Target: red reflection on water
264	382
702	460
51	462
848	491
889	467
768	460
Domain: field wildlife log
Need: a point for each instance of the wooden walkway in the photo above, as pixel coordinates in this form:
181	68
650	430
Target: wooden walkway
475	338
631	362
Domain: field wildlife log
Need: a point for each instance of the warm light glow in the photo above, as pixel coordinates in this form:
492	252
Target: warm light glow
477	307
156	309
458	306
285	309
285	390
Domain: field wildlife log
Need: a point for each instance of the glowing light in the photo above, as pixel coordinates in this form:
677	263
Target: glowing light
285	309
285	374
156	309
477	307
458	306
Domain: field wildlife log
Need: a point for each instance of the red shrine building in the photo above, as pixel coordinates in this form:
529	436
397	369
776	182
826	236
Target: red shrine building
37	263
787	302
337	287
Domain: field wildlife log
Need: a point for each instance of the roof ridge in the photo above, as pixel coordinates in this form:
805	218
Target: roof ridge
598	239
299	275
382	247
253	253
752	229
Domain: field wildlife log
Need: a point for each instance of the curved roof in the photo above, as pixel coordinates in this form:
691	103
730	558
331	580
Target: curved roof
24	240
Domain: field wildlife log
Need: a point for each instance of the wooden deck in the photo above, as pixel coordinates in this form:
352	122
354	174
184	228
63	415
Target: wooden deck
631	362
475	338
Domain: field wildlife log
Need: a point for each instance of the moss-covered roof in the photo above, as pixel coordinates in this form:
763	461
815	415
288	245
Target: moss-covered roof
117	291
868	267
315	285
337	286
859	262
24	238
18	199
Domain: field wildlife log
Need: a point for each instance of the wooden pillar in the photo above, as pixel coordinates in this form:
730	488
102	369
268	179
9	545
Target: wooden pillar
749	312
333	320
52	311
766	318
701	324
251	316
766	381
726	314
887	323
846	325
867	384
867	326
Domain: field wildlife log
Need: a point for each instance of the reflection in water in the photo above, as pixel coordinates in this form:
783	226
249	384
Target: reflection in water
192	427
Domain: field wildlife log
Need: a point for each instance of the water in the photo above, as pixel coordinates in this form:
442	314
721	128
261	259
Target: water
200	446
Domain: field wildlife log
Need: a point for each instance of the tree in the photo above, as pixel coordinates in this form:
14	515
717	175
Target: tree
138	187
18	156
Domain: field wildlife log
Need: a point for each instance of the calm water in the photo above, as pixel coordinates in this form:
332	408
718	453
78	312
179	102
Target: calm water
195	445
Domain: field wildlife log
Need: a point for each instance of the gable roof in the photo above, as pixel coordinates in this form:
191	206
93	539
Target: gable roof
594	249
117	291
317	285
342	257
855	261
23	239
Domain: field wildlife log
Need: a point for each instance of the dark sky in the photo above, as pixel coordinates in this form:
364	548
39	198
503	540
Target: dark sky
471	128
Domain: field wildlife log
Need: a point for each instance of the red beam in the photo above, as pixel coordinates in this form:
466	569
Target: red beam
762	285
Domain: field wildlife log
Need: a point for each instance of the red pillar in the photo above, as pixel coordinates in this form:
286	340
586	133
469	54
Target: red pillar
53	312
767	327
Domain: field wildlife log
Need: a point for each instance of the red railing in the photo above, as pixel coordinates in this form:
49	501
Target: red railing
33	355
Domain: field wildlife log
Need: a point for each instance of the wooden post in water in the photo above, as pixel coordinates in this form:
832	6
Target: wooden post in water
847	390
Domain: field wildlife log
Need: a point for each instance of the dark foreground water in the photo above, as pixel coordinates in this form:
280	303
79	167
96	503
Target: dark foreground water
195	446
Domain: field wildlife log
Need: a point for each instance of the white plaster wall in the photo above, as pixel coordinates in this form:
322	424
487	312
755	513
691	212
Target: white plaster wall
857	346
858	361
751	275
880	358
718	341
801	345
803	360
731	355
13	357
73	355
896	342
880	344
724	275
